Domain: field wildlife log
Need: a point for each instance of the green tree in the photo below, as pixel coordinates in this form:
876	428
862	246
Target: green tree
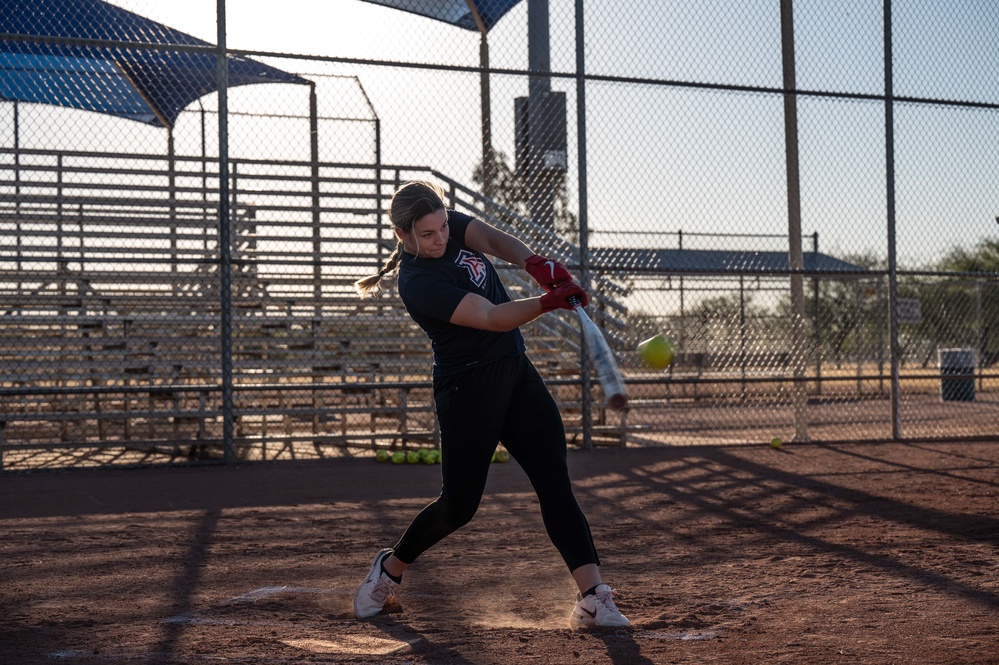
979	315
983	258
959	306
844	314
512	191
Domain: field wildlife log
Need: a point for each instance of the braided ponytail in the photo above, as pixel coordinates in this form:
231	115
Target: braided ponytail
367	287
410	202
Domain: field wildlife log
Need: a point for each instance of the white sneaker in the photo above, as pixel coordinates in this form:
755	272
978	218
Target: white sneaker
597	610
375	591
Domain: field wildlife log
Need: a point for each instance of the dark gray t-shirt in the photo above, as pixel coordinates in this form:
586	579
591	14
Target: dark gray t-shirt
431	290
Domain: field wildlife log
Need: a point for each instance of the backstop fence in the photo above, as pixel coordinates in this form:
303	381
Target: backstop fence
802	195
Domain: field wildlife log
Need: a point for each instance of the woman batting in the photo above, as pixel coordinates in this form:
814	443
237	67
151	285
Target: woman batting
485	388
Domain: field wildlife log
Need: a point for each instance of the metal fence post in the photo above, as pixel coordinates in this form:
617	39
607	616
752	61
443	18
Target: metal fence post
225	241
584	254
795	259
893	356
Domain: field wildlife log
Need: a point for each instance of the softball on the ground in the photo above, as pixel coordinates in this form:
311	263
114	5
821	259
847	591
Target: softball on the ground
776	443
657	351
382	455
398	457
412	457
502	456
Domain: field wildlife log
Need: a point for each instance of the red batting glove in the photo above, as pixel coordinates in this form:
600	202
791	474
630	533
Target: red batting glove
560	297
548	273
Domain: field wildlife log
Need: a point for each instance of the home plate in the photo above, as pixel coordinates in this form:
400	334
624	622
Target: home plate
354	644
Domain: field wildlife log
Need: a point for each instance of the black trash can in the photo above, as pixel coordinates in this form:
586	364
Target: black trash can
957	375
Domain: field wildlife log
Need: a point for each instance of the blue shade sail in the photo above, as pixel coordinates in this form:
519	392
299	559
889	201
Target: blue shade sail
455	12
46	57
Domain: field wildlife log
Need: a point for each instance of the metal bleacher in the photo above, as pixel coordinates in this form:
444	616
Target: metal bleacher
112	311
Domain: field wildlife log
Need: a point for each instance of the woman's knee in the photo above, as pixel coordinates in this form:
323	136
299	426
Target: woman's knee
457	513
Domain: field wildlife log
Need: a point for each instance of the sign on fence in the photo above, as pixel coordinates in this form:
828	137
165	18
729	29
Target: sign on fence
909	310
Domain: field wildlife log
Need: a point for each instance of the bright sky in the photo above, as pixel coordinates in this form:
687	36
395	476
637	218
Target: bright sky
666	158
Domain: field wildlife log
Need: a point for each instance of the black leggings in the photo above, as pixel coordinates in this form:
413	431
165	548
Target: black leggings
502	401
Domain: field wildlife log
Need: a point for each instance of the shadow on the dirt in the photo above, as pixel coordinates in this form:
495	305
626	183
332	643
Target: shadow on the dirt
622	649
418	642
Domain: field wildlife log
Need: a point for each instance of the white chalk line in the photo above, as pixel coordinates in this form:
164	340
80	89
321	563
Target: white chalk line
681	635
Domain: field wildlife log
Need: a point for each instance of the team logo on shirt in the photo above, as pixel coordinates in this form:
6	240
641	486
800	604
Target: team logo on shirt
473	265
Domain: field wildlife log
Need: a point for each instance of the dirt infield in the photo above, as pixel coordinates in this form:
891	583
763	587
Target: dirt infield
878	553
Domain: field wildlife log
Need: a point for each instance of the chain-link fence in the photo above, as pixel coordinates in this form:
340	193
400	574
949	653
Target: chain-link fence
802	196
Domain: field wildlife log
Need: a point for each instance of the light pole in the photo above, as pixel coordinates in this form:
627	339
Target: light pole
488	166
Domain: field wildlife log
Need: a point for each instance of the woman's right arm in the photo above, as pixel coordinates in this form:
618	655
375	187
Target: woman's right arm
474	311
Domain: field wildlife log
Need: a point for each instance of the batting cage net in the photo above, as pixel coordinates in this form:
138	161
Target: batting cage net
803	200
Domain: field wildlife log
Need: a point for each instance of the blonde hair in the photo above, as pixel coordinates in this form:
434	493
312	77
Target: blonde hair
412	201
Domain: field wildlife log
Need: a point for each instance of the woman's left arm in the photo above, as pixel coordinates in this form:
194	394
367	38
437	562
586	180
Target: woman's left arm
488	239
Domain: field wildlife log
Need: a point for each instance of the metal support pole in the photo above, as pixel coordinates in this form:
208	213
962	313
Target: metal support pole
17	161
204	160
317	240
795	259
817	320
225	240
379	208
980	330
488	165
742	334
893	331
542	183
683	310
317	244
858	297
17	187
172	198
488	162
379	205
880	291
584	236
